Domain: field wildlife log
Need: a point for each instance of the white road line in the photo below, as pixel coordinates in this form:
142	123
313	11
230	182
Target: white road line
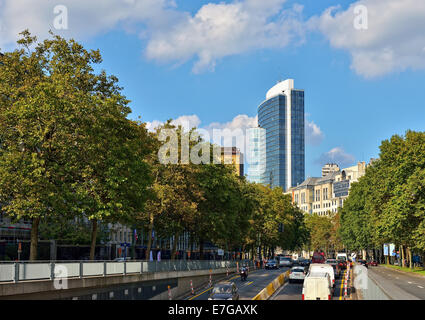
420	287
409	282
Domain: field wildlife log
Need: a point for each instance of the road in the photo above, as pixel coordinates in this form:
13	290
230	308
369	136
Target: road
257	281
399	285
293	291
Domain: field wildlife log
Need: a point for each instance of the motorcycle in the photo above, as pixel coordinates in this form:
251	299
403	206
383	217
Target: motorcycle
244	274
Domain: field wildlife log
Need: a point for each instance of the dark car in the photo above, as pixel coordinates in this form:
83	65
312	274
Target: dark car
224	291
342	264
305	262
271	264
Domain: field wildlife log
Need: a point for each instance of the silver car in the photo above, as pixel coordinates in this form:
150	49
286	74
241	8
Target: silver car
285	262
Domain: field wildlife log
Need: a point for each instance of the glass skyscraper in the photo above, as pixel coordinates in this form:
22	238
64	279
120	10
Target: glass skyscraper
282	116
256	154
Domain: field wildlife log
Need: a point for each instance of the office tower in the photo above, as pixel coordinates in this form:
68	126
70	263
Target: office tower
282	116
256	154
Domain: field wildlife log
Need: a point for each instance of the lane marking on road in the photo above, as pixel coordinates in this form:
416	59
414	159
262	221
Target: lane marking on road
250	283
420	287
409	282
200	294
342	286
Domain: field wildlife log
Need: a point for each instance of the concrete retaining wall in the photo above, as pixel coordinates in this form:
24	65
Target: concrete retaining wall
135	286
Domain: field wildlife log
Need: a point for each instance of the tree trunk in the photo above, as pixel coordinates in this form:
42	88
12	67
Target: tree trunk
34	238
402	256
149	246
173	253
93	239
410	258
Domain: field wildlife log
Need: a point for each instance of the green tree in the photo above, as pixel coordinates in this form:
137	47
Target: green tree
67	148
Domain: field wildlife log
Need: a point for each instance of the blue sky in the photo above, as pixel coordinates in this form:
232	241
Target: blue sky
360	87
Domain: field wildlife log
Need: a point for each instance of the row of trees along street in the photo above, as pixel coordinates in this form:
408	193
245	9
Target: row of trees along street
69	153
387	205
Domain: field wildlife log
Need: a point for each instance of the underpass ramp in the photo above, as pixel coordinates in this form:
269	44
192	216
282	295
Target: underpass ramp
271	288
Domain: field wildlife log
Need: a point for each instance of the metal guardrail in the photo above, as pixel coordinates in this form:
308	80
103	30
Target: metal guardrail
27	271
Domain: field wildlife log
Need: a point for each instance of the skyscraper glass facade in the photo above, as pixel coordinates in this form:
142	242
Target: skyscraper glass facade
298	138
282	116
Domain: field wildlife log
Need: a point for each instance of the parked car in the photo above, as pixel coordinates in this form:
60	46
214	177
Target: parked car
297	274
285	262
224	291
322	267
271	264
317	286
373	263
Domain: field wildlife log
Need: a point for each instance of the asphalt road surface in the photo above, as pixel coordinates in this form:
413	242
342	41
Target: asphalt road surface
293	291
257	281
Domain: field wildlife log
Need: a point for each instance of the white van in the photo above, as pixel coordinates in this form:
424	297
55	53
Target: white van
342	256
323	267
317	286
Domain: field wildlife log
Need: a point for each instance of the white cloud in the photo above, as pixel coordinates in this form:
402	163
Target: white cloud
224	29
187	122
336	155
241	121
85	18
394	40
313	134
214	32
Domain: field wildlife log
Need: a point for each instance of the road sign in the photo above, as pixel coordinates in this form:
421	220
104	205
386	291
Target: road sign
220	252
386	250
392	249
